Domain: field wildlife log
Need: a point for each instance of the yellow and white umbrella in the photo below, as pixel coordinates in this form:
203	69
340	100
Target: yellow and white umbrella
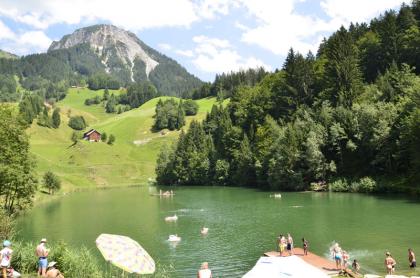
125	253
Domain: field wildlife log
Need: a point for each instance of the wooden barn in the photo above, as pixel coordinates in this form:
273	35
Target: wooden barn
92	136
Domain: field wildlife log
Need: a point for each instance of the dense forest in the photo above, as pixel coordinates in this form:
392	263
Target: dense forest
348	116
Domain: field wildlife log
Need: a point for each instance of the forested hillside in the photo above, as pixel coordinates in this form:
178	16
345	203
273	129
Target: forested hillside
106	64
349	115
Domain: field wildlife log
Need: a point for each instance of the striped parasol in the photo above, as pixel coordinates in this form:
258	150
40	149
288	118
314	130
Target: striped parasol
125	253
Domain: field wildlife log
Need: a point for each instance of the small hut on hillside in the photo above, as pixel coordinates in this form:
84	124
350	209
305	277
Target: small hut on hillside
92	136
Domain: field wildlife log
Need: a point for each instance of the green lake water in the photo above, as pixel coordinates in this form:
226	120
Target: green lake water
243	223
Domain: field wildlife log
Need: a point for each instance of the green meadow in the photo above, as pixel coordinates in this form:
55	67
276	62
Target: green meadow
129	161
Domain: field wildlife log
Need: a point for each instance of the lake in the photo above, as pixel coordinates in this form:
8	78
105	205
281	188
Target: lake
243	223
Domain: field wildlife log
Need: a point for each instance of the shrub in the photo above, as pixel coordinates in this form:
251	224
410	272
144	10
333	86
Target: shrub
190	107
72	262
367	185
339	185
77	123
111	139
7	225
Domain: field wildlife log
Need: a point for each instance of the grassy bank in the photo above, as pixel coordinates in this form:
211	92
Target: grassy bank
130	161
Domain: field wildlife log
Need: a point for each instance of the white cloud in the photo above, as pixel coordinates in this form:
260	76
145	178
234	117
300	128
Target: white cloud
186	53
281	27
217	55
5	32
164	46
210	8
26	42
357	10
133	15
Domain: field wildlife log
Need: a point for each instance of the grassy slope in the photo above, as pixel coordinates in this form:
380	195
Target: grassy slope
98	164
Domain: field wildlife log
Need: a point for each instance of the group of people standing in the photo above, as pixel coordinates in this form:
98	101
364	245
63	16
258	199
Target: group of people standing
285	243
390	262
341	258
45	269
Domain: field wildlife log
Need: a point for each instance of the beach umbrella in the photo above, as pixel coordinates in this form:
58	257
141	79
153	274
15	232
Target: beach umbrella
125	253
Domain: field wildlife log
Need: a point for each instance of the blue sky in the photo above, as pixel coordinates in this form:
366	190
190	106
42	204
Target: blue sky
205	36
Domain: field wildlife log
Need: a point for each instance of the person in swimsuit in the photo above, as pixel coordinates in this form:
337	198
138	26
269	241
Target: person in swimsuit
355	266
282	244
336	252
204	271
289	245
42	254
389	263
305	246
412	258
346	258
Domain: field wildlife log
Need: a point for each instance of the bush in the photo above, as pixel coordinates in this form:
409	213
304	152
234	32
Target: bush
7	225
72	262
366	185
190	107
77	123
111	139
339	185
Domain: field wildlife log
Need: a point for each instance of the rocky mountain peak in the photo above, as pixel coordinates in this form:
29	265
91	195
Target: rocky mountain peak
110	43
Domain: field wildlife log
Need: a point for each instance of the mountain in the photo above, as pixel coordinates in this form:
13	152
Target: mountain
125	57
103	56
7	55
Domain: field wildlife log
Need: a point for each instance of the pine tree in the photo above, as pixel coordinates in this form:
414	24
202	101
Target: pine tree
56	119
342	69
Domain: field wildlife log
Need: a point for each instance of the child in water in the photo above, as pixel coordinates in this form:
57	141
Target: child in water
355	266
305	246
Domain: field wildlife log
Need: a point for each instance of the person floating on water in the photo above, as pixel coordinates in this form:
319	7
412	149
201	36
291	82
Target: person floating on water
337	256
289	244
412	258
204	271
305	246
389	263
356	267
42	254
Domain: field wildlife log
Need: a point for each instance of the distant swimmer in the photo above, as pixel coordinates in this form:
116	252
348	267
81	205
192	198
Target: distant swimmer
204	231
204	271
171	218
412	258
389	263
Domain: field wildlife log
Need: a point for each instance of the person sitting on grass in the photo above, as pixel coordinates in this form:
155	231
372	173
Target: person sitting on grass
53	272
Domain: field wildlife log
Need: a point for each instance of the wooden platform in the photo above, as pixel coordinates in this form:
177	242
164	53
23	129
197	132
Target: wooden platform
328	266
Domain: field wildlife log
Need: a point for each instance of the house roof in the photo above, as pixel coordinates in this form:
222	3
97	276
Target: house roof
90	132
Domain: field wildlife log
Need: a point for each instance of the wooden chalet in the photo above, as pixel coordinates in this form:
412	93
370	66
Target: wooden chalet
92	136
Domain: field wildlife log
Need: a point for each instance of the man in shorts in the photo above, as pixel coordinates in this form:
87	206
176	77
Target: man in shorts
412	258
42	254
